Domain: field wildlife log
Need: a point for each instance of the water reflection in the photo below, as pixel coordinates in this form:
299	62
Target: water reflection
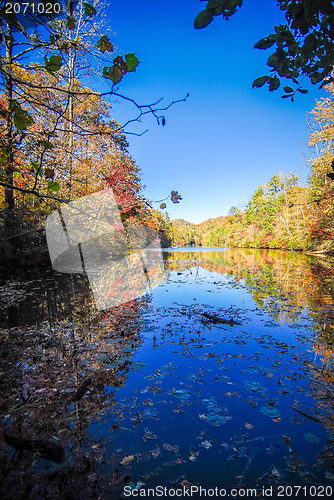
174	396
87	235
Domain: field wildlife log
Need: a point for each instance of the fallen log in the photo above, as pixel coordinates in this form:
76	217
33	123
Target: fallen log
51	450
311	417
82	389
216	319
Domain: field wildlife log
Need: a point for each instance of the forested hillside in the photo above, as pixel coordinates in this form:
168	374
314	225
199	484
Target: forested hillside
281	213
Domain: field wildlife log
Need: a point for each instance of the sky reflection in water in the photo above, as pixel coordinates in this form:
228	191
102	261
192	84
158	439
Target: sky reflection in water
240	405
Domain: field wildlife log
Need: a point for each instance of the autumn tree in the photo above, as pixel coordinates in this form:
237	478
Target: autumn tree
67	43
321	179
51	39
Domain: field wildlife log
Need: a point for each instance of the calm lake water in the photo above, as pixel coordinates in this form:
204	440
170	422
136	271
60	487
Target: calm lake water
222	376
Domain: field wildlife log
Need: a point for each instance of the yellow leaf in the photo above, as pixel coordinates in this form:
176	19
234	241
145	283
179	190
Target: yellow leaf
28	217
4	204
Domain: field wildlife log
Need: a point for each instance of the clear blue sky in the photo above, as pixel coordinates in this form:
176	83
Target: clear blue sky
227	139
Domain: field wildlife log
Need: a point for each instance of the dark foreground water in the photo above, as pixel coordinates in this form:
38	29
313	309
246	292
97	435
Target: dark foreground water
221	378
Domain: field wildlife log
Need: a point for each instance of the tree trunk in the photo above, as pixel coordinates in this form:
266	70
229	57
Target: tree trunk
8	136
71	116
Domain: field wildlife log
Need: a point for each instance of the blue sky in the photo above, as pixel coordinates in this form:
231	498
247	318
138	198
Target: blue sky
227	139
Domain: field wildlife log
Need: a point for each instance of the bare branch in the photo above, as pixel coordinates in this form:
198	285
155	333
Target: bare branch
30	191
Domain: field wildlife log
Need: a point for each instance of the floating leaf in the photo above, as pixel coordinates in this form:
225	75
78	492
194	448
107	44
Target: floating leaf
206	444
215	419
127	460
148	435
186	484
138	365
155	453
270	411
173	448
311	438
193	455
181	393
149	413
163	205
253	386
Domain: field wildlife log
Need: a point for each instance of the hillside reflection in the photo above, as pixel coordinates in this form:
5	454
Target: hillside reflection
302	280
284	283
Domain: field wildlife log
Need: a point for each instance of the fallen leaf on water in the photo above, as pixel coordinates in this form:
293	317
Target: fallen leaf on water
155	453
186	484
127	460
270	411
148	435
274	472
193	455
311	438
206	444
173	448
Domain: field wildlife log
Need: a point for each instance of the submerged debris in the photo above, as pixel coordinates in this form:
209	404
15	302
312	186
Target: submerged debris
217	319
82	389
51	450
